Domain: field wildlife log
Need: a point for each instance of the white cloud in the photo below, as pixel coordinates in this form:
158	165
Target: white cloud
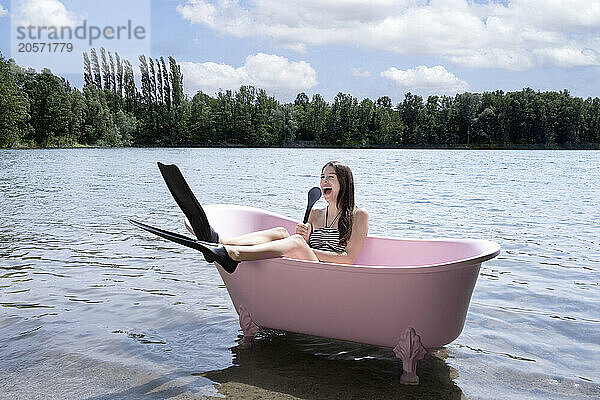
360	73
44	13
435	79
514	35
568	56
557	14
3	11
273	73
496	57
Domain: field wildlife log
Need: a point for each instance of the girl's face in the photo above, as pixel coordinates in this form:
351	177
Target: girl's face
330	186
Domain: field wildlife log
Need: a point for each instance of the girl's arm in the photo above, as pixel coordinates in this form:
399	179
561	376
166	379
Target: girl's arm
306	230
360	228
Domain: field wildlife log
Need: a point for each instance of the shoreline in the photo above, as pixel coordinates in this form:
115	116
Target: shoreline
301	145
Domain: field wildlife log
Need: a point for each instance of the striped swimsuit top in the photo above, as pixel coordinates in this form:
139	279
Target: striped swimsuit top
326	238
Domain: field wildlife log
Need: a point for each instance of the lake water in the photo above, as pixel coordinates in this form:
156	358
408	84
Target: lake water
91	307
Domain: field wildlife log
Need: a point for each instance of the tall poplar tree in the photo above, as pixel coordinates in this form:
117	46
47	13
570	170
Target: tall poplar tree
96	68
105	70
87	70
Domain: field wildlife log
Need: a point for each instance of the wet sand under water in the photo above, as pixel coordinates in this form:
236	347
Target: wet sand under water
271	374
279	375
275	368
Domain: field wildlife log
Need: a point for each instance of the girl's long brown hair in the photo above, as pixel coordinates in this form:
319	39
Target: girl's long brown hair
345	199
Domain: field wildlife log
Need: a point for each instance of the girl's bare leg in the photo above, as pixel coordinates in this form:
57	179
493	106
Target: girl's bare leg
255	238
293	247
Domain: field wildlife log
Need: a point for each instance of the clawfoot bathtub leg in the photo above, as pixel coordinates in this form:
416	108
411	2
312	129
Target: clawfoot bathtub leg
410	350
248	327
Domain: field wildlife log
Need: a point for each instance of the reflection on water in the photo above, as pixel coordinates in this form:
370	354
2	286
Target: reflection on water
86	297
307	367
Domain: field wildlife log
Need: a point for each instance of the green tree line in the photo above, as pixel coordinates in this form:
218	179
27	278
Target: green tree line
40	109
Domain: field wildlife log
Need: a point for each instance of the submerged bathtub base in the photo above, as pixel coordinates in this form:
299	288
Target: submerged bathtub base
248	326
409	349
407	311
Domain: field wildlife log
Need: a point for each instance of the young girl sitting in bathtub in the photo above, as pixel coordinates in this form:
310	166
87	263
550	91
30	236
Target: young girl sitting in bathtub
335	234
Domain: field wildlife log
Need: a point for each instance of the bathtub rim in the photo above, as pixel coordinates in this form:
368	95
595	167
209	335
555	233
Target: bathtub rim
491	250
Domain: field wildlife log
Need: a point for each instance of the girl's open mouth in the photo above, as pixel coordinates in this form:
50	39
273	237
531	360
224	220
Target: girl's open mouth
326	190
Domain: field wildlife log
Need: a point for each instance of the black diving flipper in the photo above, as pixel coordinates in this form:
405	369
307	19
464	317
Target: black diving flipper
212	252
188	203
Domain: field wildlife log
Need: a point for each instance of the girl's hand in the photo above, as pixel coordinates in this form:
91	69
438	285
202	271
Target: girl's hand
304	230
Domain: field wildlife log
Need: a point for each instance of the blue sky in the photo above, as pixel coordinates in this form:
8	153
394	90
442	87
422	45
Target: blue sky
366	48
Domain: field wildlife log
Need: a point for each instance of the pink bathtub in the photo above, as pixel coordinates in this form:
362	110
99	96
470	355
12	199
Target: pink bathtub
406	294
